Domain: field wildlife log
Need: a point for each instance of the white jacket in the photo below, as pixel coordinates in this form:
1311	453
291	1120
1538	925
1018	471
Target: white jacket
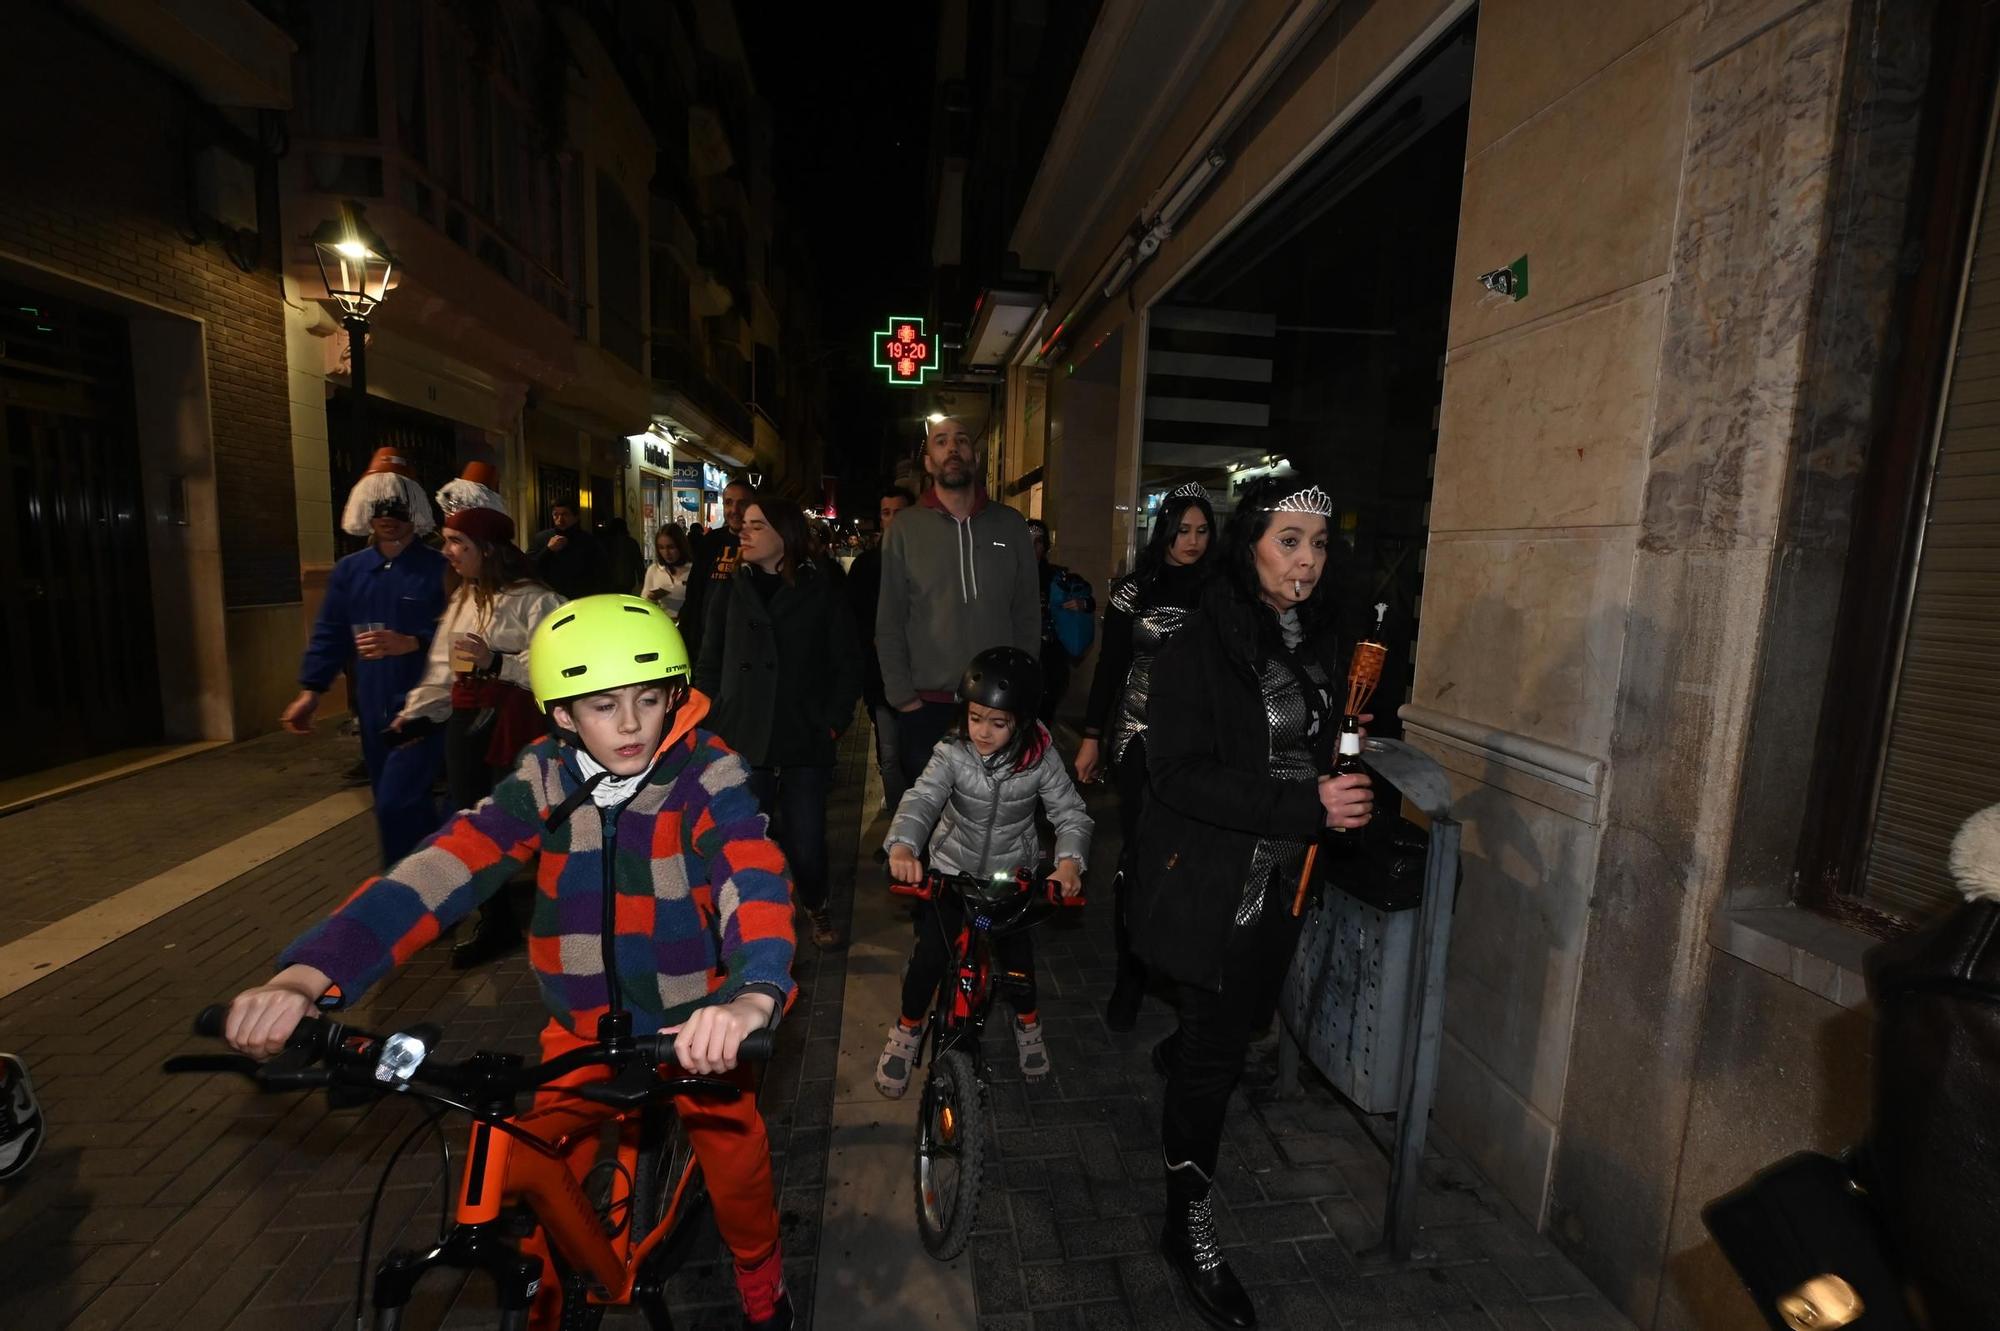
505	622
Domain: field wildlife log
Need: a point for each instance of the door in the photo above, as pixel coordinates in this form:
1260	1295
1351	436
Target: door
77	665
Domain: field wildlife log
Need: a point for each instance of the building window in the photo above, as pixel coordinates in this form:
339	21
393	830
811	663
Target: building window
621	321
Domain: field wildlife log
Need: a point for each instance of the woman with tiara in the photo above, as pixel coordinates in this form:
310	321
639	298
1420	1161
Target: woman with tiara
1146	607
1240	727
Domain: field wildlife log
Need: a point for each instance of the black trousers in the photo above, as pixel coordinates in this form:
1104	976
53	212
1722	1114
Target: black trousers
938	923
1215	1031
467	777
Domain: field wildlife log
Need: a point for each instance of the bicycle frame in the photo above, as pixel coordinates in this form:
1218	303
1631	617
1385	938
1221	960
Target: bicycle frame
503	1170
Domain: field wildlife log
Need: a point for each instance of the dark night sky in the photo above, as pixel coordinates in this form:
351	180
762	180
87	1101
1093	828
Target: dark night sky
851	93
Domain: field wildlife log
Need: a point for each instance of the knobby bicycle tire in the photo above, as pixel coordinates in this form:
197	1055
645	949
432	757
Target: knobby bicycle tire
665	1154
952	1128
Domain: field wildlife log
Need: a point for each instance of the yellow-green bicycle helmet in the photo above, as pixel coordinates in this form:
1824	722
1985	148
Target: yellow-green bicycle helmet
598	643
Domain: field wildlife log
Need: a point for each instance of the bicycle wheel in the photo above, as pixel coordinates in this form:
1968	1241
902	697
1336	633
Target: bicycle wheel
666	1157
952	1129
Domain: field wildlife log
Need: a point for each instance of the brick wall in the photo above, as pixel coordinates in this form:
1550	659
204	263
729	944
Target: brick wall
94	184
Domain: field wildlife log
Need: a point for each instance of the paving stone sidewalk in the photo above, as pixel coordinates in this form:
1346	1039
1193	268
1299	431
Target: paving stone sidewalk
1067	1234
169	1202
80	848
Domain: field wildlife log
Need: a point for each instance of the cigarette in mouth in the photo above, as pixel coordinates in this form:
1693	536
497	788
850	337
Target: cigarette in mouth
1298	590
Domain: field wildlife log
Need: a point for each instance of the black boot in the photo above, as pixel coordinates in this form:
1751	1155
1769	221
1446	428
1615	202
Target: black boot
1189	1243
495	936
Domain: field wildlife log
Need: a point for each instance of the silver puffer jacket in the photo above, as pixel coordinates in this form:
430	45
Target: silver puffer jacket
981	820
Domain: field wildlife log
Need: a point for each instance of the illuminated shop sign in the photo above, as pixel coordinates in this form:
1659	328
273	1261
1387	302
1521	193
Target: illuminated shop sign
905	353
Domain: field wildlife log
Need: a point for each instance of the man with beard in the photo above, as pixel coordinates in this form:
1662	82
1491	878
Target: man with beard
381	608
715	561
958	577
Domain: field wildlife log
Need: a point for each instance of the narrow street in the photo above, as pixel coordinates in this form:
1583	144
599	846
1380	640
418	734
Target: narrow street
190	1202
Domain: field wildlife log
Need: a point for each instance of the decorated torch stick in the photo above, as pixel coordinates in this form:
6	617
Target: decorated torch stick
1364	672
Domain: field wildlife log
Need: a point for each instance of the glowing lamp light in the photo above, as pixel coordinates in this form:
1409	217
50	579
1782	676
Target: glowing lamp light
904	352
353	262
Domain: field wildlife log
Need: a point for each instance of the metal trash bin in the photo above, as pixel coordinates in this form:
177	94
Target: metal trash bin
1364	1002
1346	998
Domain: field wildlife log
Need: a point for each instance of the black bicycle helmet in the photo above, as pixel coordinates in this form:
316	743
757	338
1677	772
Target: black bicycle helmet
1003	677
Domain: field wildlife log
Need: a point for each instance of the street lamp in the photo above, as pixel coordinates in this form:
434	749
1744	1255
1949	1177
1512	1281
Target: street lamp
355	265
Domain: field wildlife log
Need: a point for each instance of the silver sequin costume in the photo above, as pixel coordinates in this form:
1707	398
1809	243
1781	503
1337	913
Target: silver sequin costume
1152	625
1293	726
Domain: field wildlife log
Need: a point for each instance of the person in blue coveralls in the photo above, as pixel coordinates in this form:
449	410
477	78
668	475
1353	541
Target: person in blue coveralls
382	606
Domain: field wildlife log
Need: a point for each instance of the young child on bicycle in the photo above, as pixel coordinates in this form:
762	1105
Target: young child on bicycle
974	808
697	933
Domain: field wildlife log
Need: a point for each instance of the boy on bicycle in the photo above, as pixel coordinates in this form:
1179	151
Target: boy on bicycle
974	807
658	892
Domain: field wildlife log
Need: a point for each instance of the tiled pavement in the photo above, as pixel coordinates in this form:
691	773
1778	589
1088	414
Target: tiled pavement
82	848
195	1202
1074	1202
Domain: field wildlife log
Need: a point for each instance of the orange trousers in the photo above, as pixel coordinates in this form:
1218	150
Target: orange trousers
728	1138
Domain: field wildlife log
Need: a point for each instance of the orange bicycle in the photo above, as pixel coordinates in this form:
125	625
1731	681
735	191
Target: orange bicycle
610	1250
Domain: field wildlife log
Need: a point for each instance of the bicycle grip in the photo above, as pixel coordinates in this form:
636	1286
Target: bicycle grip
209	1022
921	891
1056	898
757	1046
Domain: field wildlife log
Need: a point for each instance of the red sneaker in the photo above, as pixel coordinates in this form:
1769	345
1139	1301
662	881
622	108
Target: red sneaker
767	1305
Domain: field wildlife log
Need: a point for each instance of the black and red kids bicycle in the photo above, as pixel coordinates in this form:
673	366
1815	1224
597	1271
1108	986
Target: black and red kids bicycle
953	1122
615	1237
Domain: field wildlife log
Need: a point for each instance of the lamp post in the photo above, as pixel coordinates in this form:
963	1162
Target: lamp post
355	265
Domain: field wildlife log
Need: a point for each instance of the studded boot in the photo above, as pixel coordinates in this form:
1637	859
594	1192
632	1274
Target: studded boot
1191	1247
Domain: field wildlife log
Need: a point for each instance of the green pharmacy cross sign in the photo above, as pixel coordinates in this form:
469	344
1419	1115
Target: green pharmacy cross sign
905	352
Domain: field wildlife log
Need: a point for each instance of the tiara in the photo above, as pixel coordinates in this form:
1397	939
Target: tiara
1192	490
1312	499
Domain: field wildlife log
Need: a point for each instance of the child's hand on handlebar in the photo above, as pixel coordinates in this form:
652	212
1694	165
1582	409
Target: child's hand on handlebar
706	1042
262	1019
904	866
1070	875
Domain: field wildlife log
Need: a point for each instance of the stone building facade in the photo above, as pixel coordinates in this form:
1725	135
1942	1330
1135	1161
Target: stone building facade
1627	551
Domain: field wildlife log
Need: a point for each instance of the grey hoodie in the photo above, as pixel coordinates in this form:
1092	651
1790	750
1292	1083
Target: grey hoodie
950	590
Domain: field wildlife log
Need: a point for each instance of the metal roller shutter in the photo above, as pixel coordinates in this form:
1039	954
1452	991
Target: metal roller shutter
1942	760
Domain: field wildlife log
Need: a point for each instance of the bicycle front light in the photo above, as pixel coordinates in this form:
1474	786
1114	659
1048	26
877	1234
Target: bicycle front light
401	1055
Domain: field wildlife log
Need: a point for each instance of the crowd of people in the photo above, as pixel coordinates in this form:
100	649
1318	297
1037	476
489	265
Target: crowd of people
658	742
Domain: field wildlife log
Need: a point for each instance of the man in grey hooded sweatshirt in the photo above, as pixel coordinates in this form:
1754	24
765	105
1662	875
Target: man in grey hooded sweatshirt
958	576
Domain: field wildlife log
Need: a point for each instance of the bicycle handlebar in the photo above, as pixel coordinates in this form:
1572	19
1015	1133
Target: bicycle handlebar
322	1053
935	881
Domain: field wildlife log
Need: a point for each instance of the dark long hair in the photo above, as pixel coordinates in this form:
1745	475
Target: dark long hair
1238	561
1166	525
681	543
501	565
789	521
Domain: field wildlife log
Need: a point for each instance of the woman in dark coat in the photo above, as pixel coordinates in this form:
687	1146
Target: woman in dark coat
1146	607
781	660
1240	728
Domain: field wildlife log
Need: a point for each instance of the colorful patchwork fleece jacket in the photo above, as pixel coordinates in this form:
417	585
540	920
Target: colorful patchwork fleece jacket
700	903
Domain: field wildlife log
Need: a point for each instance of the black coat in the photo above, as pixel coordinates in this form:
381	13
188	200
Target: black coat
1213	796
784	675
715	560
864	589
